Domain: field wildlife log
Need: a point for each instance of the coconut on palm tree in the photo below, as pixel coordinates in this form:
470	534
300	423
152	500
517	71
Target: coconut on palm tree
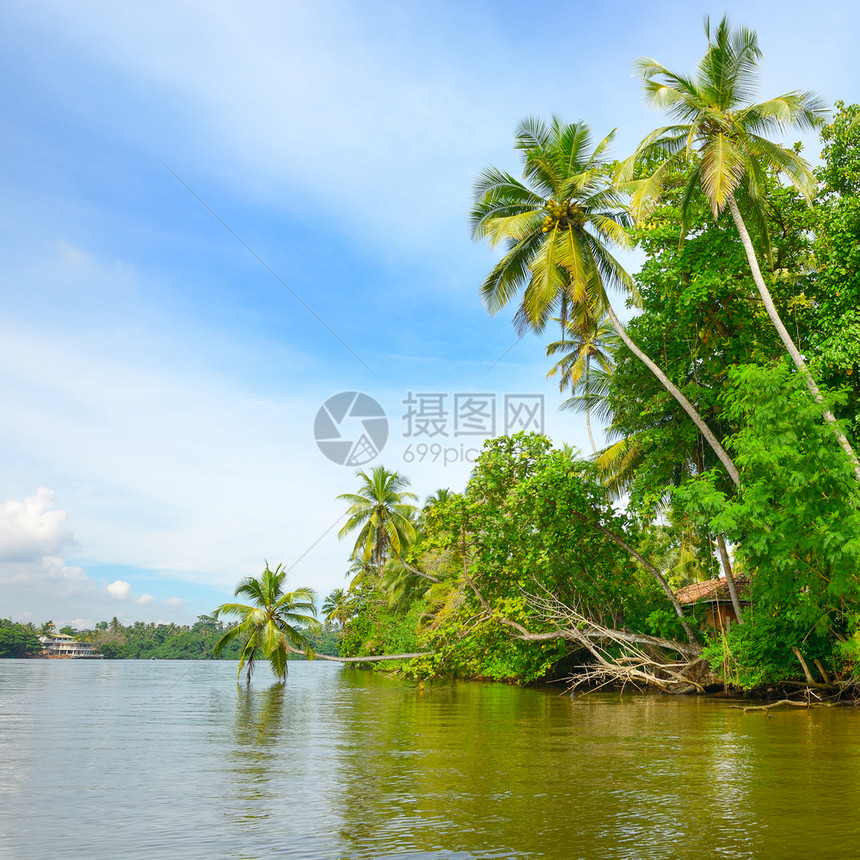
270	625
722	134
382	514
557	226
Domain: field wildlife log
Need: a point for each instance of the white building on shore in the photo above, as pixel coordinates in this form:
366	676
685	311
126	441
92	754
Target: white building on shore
61	645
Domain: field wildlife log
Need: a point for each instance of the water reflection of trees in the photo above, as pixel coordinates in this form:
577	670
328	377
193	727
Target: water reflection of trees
376	768
277	789
258	721
489	770
444	767
258	729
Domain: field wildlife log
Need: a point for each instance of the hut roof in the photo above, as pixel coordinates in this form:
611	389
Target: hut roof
712	590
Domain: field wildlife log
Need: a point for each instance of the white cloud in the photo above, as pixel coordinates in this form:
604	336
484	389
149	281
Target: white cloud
30	529
174	602
38	584
119	589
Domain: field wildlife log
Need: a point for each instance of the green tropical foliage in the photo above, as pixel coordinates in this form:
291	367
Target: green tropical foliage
536	524
382	514
722	136
719	132
511	533
334	605
585	364
18	640
834	291
271	624
558	226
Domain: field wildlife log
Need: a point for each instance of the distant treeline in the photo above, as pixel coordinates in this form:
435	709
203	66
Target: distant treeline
141	641
18	640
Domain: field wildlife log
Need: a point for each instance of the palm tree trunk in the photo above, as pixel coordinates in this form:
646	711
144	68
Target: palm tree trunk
730	577
785	337
661	580
588	404
673	389
588	426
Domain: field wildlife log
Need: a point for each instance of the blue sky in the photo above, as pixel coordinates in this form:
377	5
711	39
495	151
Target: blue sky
158	384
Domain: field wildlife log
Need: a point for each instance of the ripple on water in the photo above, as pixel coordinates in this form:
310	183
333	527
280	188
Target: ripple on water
150	759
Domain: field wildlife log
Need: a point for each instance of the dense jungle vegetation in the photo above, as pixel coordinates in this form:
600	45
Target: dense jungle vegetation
731	401
145	641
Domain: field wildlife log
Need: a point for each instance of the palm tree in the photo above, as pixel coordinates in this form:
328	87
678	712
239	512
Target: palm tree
335	606
725	132
584	340
358	570
381	513
268	624
557	227
440	497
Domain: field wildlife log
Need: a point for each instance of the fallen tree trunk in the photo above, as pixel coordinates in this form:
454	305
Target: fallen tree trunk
374	658
634	665
625	658
808	675
596	634
782	702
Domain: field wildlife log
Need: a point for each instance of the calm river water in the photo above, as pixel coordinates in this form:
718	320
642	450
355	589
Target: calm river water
126	759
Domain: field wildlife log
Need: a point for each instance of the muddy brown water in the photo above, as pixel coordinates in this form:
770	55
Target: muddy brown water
133	759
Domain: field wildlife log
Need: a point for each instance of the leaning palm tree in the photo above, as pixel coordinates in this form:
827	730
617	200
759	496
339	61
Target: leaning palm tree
382	514
557	227
585	341
269	625
723	135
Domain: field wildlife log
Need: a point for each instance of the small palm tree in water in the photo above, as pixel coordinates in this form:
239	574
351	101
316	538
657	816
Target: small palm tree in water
269	625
